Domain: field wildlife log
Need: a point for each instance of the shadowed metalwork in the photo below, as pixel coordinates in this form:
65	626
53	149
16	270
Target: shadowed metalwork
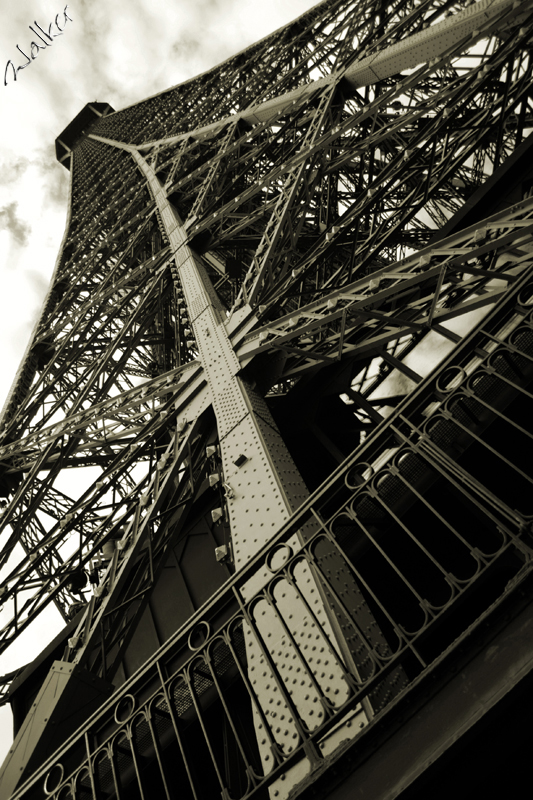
302	232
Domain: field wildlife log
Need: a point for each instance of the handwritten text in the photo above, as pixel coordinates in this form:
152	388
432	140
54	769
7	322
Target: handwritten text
34	47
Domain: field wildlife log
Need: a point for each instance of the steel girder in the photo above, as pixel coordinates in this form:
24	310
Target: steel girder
311	173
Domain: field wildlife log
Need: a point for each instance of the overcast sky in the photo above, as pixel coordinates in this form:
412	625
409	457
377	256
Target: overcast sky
115	51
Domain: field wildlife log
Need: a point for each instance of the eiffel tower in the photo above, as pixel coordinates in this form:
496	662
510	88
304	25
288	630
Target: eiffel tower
268	450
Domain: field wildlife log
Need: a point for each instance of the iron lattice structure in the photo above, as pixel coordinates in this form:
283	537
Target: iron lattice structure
229	362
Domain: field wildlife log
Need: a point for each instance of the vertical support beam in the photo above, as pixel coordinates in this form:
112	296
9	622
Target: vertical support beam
263	489
261	493
267	488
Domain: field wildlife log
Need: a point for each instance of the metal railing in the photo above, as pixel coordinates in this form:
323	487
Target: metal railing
416	536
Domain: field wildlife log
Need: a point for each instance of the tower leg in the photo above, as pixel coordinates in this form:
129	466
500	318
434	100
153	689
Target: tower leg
68	696
293	623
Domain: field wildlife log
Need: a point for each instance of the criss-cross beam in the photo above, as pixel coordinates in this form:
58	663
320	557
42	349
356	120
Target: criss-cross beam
437	284
243	417
310	342
306	345
367	316
262	485
357	319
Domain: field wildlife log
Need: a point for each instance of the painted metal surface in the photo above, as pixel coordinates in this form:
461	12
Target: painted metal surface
260	237
170	702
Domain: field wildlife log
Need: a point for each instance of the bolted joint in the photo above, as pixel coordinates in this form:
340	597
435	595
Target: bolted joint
228	491
223	553
217	514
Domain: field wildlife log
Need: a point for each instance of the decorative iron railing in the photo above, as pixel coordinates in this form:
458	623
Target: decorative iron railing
416	535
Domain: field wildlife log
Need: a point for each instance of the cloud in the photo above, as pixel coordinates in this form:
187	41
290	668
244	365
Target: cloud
9	221
10	172
38	283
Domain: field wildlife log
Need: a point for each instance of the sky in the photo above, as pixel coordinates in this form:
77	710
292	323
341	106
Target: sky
114	51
